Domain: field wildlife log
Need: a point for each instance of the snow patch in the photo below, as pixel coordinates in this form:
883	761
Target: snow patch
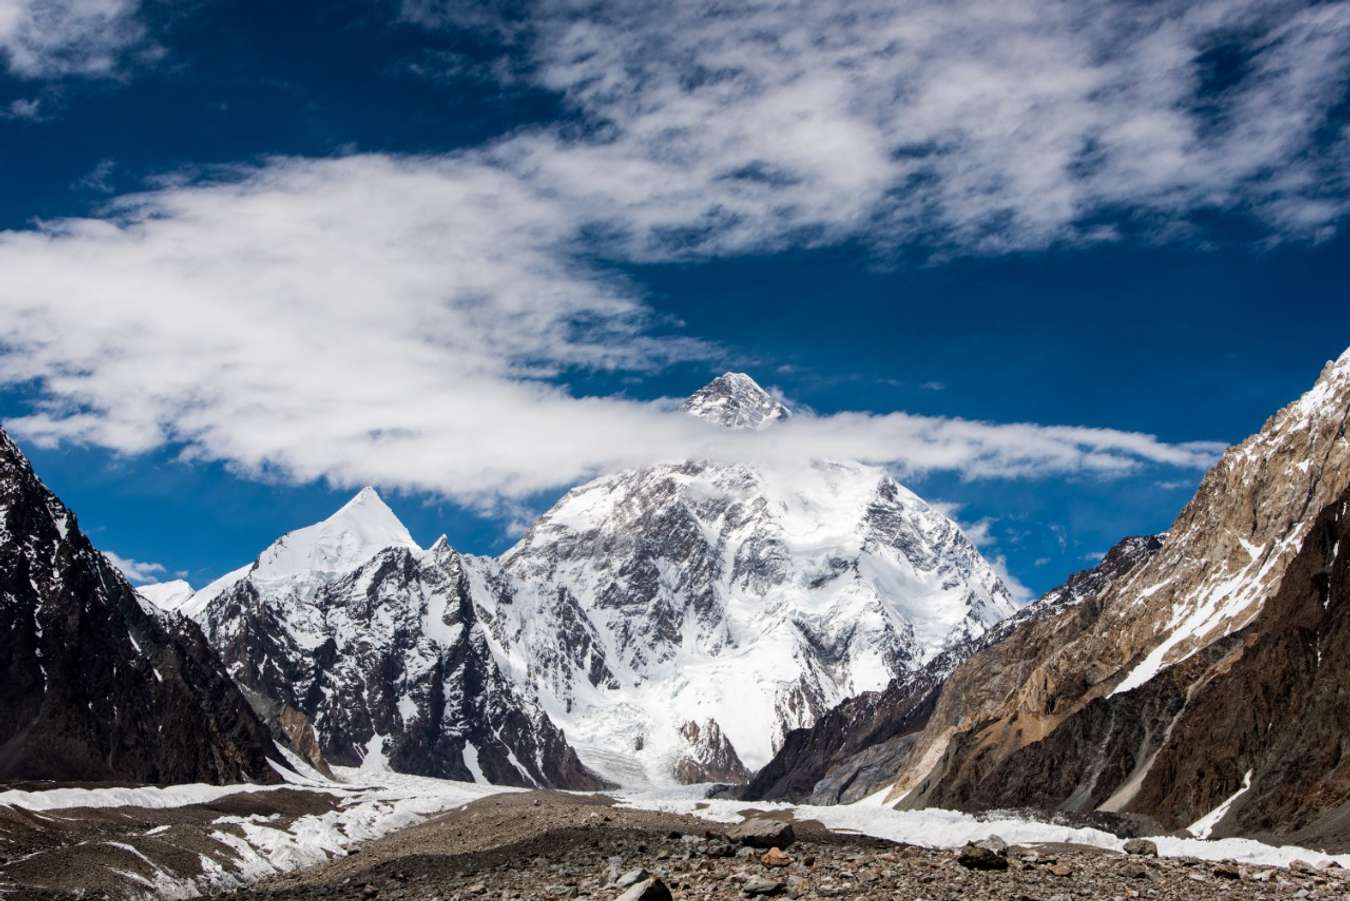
934	828
1204	827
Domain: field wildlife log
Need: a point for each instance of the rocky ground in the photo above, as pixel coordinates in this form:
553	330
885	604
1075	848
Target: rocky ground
548	845
541	845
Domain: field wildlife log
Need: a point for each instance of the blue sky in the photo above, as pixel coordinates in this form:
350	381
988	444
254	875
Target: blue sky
256	258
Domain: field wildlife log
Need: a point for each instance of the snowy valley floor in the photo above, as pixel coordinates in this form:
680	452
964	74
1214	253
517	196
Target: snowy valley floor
383	835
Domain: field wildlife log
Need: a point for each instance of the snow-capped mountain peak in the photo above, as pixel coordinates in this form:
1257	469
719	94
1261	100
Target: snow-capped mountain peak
359	530
736	401
170	596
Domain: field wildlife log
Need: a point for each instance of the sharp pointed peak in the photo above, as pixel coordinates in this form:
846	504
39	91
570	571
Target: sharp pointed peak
366	496
736	400
356	532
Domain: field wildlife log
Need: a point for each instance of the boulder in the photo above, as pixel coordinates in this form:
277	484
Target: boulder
1141	847
762	832
652	889
989	854
632	877
758	886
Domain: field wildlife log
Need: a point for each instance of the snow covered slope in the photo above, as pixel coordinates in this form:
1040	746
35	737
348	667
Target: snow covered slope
676	619
649	603
377	643
169	596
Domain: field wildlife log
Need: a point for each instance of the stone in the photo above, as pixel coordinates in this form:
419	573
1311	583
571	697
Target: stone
632	877
652	889
1061	869
757	886
719	849
774	857
1141	847
984	855
762	832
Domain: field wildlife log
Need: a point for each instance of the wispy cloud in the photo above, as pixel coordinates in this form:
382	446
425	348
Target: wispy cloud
137	571
961	126
98	179
400	322
53	38
405	321
28	109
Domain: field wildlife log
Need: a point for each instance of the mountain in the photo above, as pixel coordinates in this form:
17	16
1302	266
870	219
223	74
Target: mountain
727	601
378	644
170	596
1202	688
854	750
736	401
673	621
99	685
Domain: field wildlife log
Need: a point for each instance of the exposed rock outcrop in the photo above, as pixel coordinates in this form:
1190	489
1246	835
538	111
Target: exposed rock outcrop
95	684
856	748
1212	661
710	757
378	644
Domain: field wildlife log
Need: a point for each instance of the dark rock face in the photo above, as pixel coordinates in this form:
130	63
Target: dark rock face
1265	708
855	749
710	758
1291	731
94	686
389	662
1130	702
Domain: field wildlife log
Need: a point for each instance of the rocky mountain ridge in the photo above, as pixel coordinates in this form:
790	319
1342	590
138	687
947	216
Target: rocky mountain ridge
1192	688
854	750
673	621
100	685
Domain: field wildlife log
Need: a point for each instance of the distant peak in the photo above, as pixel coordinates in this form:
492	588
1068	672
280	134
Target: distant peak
736	401
360	528
366	498
170	595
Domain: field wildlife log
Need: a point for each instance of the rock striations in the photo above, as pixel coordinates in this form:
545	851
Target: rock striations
99	685
1200	686
674	622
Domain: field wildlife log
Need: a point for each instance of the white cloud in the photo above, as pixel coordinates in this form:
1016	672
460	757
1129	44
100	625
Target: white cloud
410	321
49	38
30	110
979	532
98	179
398	322
962	126
135	570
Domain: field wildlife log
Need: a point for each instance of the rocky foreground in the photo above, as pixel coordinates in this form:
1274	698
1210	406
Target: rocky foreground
548	845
